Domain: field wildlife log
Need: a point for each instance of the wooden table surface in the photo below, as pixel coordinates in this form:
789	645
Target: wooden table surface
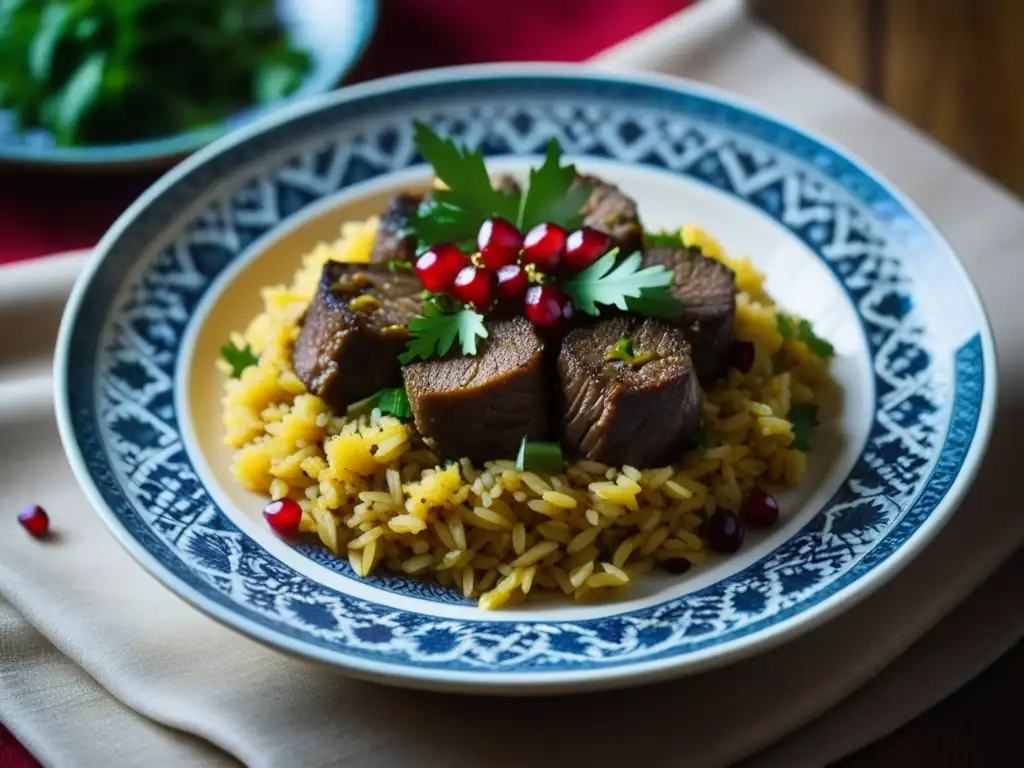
954	69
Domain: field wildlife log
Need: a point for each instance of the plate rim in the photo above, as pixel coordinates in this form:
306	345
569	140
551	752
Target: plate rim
148	152
532	682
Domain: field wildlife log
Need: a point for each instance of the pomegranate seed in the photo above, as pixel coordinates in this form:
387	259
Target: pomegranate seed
512	284
724	531
499	242
35	520
548	306
760	510
742	356
583	247
283	516
676	565
476	286
544	246
438	266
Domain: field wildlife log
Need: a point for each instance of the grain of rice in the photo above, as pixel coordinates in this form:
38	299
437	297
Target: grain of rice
582	540
534	483
417	563
419	546
560	499
458	531
468	577
579	575
361	542
556	531
544	507
444	534
622	552
519	538
526	582
535	553
593	517
655	540
488	518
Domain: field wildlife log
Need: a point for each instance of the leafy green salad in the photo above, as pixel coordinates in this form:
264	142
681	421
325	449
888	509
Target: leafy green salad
109	71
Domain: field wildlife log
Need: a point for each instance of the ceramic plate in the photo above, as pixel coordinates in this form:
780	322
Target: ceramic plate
138	393
334	34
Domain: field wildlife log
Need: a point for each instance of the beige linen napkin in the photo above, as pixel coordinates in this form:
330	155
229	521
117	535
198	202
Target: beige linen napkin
100	665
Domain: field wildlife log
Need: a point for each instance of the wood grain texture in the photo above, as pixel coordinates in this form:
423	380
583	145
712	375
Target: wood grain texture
953	68
833	32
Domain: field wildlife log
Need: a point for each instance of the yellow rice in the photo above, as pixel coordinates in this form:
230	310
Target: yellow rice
374	495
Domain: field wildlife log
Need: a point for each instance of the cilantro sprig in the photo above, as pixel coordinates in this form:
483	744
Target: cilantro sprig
621	284
791	328
239	358
435	332
804	417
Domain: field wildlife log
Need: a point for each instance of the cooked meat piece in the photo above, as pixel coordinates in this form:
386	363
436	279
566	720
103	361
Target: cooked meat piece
639	412
613	213
354	330
480	407
707	289
391	244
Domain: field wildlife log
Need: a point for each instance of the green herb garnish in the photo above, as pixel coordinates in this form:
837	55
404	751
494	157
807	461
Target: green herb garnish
664	239
804	417
125	70
552	194
656	302
784	326
621	350
456	213
394	402
539	457
817	345
239	358
606	282
434	332
396	265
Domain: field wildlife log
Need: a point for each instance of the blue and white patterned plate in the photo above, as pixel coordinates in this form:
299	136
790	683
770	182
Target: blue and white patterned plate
334	34
137	392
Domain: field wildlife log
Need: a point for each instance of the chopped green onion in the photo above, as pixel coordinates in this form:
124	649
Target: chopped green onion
395	402
785	328
394	265
541	457
621	350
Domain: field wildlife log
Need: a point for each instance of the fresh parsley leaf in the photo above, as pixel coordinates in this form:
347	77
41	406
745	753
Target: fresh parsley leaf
784	326
656	302
605	282
552	194
238	358
464	172
439	222
395	265
817	345
435	332
395	402
804	417
664	239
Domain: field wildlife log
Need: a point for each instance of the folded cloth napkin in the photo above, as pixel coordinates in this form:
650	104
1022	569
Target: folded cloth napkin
100	665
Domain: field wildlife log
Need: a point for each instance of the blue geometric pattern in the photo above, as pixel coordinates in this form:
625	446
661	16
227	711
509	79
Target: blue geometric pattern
120	381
